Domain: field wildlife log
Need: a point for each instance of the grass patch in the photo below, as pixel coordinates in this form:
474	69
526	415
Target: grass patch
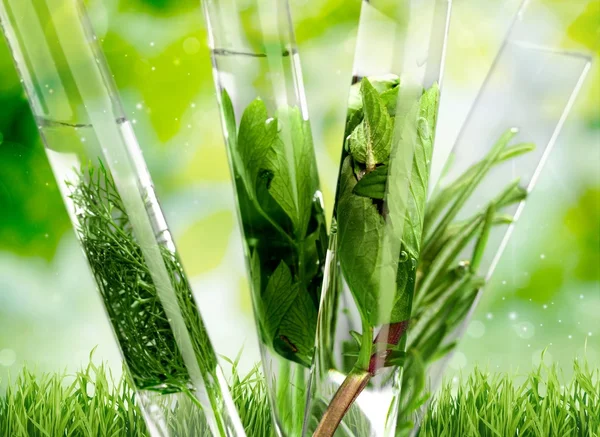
493	405
91	403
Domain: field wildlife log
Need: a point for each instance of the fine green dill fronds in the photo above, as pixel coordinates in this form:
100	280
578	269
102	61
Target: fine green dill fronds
154	316
125	282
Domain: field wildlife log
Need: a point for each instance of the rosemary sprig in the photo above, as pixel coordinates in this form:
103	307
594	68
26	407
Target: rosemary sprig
447	285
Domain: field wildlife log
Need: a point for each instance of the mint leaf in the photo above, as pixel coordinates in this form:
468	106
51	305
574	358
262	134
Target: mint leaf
373	184
360	230
386	85
256	137
390	100
370	142
423	152
296	334
295	179
277	299
384	82
306	169
361	225
282	185
406	204
405	284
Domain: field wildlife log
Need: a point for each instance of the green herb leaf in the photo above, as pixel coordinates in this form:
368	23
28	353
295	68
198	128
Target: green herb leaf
282	185
296	334
407	211
440	200
373	184
370	142
256	138
277	299
295	178
481	242
360	229
229	120
390	100
467	189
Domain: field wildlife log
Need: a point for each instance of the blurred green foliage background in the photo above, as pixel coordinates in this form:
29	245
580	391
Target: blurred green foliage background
50	316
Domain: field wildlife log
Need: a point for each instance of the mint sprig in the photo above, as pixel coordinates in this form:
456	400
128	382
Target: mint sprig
284	228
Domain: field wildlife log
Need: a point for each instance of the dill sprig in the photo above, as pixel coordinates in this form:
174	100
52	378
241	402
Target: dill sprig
130	296
135	308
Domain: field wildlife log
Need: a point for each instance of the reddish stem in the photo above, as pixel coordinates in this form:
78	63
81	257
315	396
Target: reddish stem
356	381
395	331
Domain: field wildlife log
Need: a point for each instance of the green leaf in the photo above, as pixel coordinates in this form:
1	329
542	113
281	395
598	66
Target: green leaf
384	82
357	336
512	194
407	210
405	287
306	169
277	299
282	184
386	85
292	161
467	188
395	358
256	138
361	230
296	334
370	142
229	120
390	100
440	200
481	242
373	184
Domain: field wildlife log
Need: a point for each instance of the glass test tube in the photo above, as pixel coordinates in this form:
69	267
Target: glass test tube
260	91
378	218
111	202
493	166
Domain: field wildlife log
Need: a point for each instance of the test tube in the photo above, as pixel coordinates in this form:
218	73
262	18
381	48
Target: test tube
375	241
259	84
111	202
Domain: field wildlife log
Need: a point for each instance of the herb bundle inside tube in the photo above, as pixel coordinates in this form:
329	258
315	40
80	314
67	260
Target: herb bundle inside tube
269	143
100	171
376	237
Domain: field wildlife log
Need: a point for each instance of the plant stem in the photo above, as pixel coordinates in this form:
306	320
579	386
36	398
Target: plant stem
357	380
352	386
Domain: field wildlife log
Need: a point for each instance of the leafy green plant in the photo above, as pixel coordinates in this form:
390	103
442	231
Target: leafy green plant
137	313
428	274
277	187
379	241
